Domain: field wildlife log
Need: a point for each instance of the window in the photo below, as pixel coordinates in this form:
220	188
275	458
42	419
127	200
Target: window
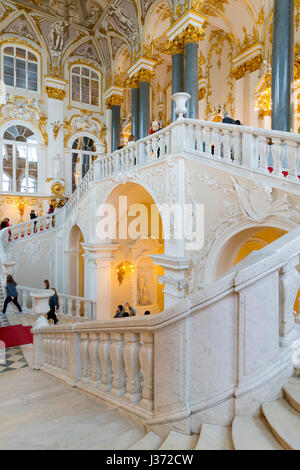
85	85
83	155
19	160
20	68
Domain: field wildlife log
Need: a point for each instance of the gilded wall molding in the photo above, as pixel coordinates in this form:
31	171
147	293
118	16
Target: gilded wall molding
250	65
55	93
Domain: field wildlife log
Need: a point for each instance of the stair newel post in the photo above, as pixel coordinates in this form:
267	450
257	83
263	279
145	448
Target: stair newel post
94	359
105	362
146	355
118	366
132	365
289	284
85	357
38	355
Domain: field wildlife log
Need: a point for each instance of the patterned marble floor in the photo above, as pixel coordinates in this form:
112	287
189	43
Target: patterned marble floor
14	358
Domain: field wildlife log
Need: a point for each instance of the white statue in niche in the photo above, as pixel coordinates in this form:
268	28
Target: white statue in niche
143	291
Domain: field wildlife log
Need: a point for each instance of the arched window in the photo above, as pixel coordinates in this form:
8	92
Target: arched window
85	83
83	154
20	68
19	160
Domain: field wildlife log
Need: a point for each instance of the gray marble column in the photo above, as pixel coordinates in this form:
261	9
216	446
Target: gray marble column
115	127
177	78
144	110
283	65
135	112
191	79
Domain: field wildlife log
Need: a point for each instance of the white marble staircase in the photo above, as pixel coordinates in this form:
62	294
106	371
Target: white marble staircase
38	412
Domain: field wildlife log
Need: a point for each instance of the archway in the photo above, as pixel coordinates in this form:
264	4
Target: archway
244	243
75	262
134	276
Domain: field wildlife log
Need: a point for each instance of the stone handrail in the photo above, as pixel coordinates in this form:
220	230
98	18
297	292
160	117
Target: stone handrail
272	153
25	230
168	368
70	306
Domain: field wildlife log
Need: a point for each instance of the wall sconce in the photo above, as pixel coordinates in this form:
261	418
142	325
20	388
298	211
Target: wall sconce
21	205
124	268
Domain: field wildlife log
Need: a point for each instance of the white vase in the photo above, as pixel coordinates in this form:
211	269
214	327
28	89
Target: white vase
180	100
41	298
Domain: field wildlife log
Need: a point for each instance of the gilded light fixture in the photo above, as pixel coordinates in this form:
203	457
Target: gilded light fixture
58	189
21	204
124	268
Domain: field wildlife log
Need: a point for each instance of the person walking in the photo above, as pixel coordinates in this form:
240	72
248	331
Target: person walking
54	306
32	217
11	294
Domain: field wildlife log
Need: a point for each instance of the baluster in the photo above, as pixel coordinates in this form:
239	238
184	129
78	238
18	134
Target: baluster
207	140
226	140
118	366
263	149
132	364
77	306
63	351
161	147
57	345
149	150
155	148
237	147
292	156
167	149
67	351
86	309
24	299
45	350
146	361
277	155
53	350
85	358
215	141
70	307
105	361
94	358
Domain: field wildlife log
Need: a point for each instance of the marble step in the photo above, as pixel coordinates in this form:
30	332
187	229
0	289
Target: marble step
284	422
292	392
121	442
250	433
177	441
214	437
150	441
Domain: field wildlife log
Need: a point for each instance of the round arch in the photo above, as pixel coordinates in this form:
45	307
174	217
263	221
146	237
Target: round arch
75	263
224	252
21	122
138	234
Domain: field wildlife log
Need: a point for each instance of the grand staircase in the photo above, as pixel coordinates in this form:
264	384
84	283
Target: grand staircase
38	412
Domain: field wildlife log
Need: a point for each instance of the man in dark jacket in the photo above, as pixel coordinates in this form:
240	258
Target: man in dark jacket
120	312
54	306
228	120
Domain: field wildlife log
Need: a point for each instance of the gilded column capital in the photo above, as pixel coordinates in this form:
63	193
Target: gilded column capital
191	35
250	65
176	46
113	100
132	82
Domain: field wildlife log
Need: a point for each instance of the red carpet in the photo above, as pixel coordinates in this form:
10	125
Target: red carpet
16	335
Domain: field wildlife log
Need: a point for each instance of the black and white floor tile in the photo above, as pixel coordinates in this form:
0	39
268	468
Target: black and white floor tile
14	360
